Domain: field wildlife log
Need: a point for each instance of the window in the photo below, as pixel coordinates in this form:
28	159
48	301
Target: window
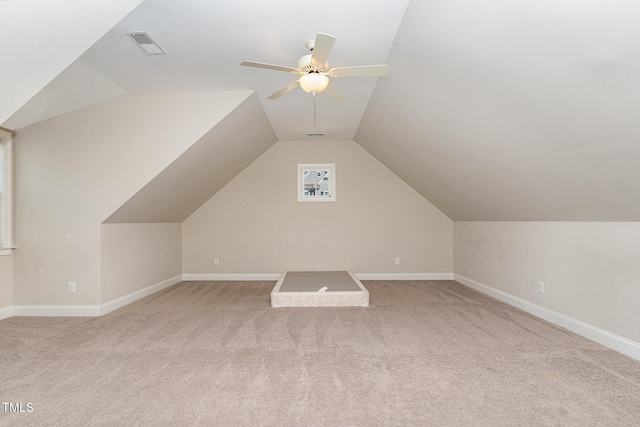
5	192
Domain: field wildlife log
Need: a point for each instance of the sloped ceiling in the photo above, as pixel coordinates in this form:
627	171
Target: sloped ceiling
207	166
205	43
40	38
493	109
77	87
514	111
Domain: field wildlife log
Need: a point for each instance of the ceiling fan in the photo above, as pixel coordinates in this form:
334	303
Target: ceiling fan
314	71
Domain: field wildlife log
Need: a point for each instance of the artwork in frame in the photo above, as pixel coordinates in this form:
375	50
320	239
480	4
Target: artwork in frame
316	182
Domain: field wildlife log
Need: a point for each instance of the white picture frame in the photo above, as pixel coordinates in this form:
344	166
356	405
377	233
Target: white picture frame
316	182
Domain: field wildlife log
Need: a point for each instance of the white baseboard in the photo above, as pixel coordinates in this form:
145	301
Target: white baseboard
404	276
6	312
56	310
207	277
275	276
89	310
117	303
615	342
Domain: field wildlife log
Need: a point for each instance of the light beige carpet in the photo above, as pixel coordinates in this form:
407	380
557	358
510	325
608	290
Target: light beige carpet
215	353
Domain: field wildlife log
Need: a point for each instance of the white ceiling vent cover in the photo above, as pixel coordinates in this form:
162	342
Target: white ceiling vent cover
144	41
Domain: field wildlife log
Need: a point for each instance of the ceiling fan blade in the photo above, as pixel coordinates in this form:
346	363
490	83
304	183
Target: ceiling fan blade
321	49
269	66
288	88
360	71
334	93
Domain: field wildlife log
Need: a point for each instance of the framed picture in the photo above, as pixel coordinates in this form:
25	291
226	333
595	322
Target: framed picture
316	182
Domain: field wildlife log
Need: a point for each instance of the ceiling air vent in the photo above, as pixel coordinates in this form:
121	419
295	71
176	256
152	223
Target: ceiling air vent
315	134
146	43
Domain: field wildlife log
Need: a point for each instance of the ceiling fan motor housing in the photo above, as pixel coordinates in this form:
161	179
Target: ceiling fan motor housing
305	66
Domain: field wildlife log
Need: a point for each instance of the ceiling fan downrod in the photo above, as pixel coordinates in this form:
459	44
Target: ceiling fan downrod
314	110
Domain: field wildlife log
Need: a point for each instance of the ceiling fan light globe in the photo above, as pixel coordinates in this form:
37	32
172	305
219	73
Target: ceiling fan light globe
314	82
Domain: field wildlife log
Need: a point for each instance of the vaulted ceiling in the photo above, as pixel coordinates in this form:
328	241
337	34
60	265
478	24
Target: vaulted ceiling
493	109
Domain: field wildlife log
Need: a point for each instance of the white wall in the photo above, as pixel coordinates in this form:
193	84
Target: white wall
591	271
74	170
256	225
135	256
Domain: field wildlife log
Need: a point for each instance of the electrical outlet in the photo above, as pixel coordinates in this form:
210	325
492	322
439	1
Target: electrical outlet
541	287
72	286
216	261
397	261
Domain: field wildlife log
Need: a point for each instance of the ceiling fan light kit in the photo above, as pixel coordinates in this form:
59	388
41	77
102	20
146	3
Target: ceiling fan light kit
314	82
314	71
